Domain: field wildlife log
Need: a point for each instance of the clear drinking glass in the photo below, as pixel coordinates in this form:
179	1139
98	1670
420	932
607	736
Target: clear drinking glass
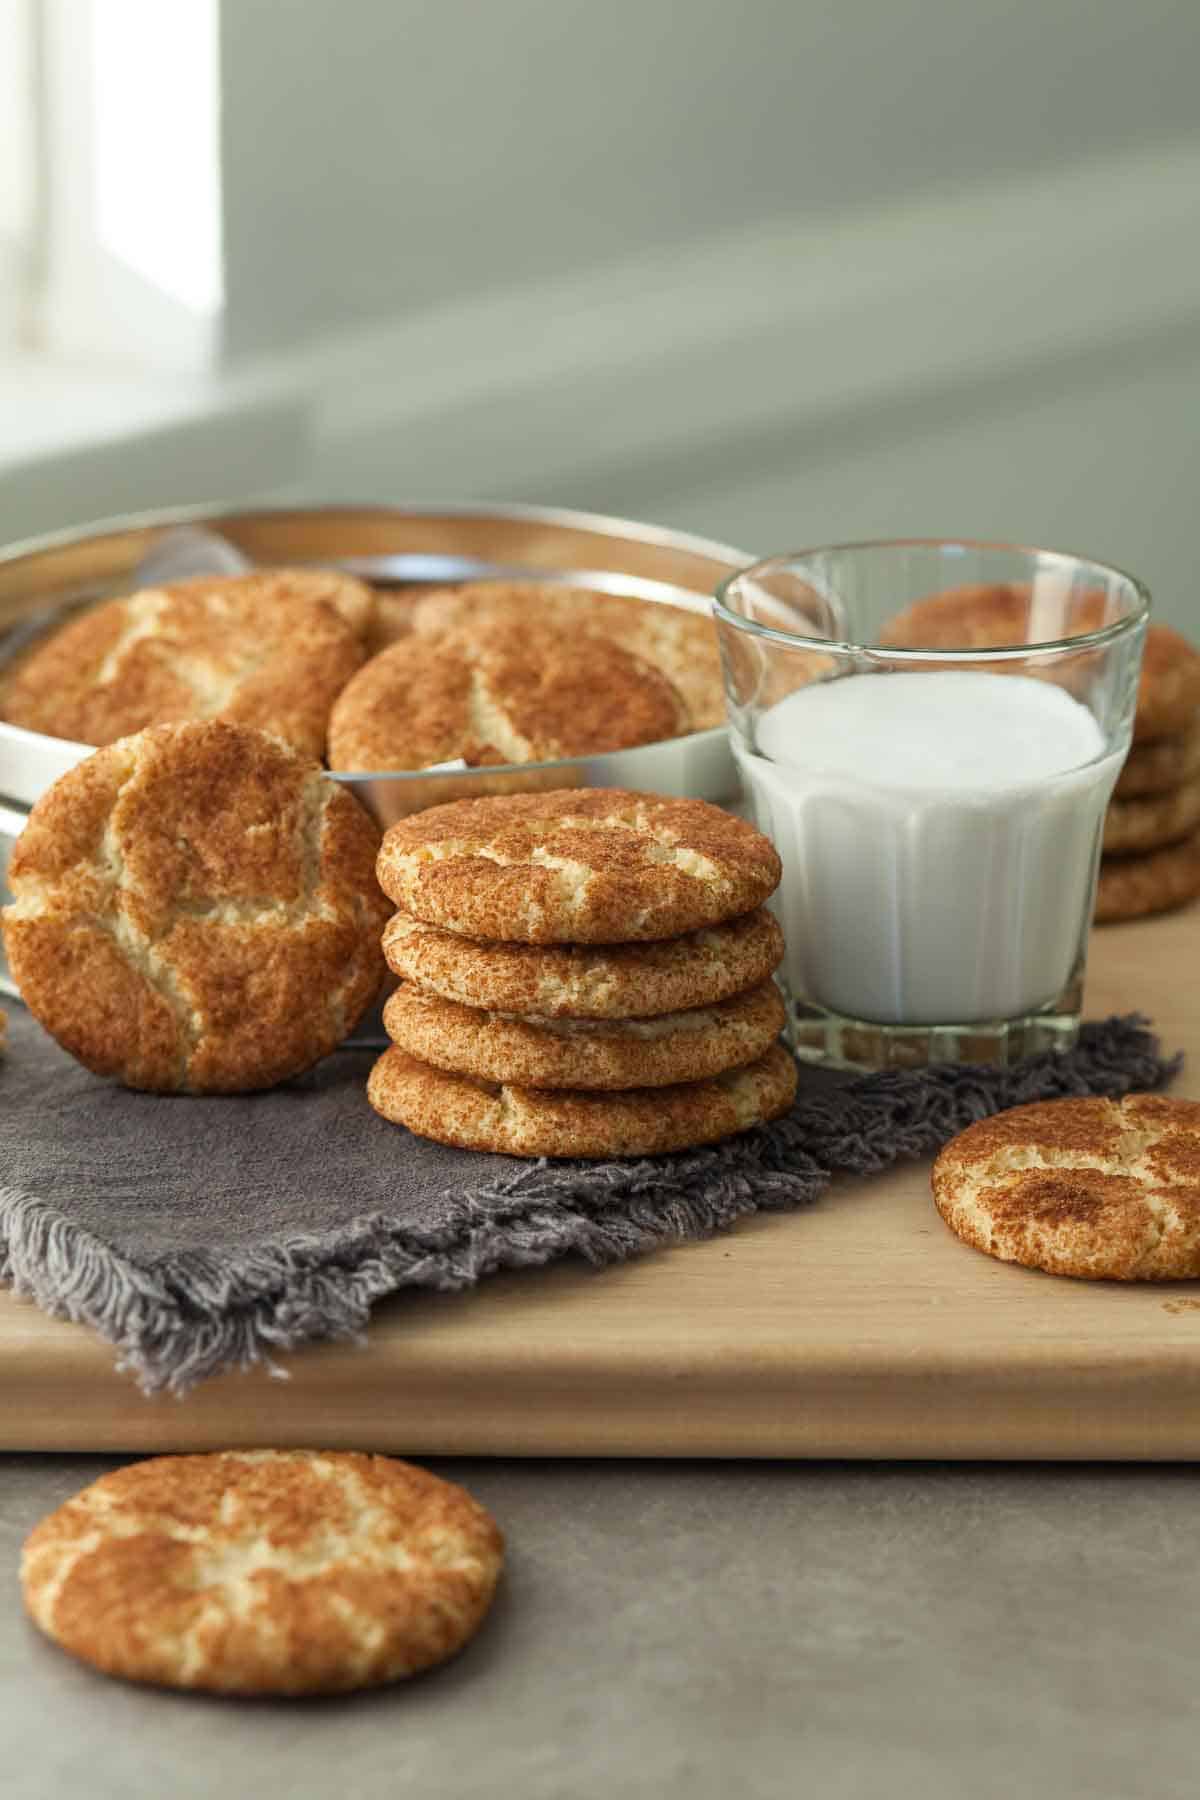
930	733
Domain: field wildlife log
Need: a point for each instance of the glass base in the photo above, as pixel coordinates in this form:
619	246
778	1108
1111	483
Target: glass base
835	1042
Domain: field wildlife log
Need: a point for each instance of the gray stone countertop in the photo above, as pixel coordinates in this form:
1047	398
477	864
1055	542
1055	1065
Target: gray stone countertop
720	1629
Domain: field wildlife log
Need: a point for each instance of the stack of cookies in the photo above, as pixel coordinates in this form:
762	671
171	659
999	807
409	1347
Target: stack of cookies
585	973
1151	856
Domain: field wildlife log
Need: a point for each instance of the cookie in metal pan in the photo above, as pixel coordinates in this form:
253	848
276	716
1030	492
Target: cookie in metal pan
499	694
195	910
1105	1190
680	642
526	1121
270	650
286	1572
595	866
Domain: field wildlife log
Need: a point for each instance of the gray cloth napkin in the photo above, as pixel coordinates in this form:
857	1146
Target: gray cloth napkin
203	1234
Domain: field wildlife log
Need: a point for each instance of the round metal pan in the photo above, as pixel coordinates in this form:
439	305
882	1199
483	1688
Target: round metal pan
395	548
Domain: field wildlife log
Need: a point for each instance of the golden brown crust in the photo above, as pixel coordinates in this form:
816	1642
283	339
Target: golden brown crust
526	1121
1150	823
990	615
351	599
264	1572
585	1053
252	649
196	911
499	694
588	981
680	642
1158	767
1106	1190
1169	690
588	865
1131	887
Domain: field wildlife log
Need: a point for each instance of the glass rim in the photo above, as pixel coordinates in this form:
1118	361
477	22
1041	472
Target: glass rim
1084	640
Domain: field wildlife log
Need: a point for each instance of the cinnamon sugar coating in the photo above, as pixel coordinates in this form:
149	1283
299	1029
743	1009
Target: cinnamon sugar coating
196	911
1099	1189
264	1572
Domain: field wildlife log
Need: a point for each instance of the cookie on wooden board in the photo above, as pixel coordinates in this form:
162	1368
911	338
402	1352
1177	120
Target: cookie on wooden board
1159	767
1132	887
1106	1190
525	1121
284	1572
195	910
590	865
588	981
499	694
270	650
1151	822
585	1053
681	642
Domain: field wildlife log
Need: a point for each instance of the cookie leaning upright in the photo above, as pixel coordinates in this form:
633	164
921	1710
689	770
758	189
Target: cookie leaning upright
264	1571
581	865
196	911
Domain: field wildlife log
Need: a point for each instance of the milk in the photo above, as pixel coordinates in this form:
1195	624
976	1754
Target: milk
939	834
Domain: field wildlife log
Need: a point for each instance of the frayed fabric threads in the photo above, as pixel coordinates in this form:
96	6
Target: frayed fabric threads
203	1235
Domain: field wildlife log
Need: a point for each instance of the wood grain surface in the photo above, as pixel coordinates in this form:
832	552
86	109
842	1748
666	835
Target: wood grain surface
859	1328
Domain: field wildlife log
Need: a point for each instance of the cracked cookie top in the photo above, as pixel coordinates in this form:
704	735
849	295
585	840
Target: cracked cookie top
196	910
1107	1190
270	650
581	865
500	693
680	642
264	1571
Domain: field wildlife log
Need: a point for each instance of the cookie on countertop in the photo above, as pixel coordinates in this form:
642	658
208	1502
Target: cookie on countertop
682	643
284	1572
588	981
499	694
261	650
585	1053
1152	822
524	1121
1106	1190
1161	766
1132	887
195	910
581	865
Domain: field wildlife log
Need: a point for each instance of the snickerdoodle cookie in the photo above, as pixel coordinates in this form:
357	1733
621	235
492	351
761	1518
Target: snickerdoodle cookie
1149	823
525	1121
992	615
585	1053
681	642
1131	887
195	910
1101	1189
595	865
588	981
499	694
1161	766
264	1571
270	650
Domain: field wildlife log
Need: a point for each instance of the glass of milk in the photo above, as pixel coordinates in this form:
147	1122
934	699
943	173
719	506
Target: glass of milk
930	733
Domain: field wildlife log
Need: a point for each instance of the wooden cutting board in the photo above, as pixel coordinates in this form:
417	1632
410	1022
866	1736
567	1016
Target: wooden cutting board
859	1328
